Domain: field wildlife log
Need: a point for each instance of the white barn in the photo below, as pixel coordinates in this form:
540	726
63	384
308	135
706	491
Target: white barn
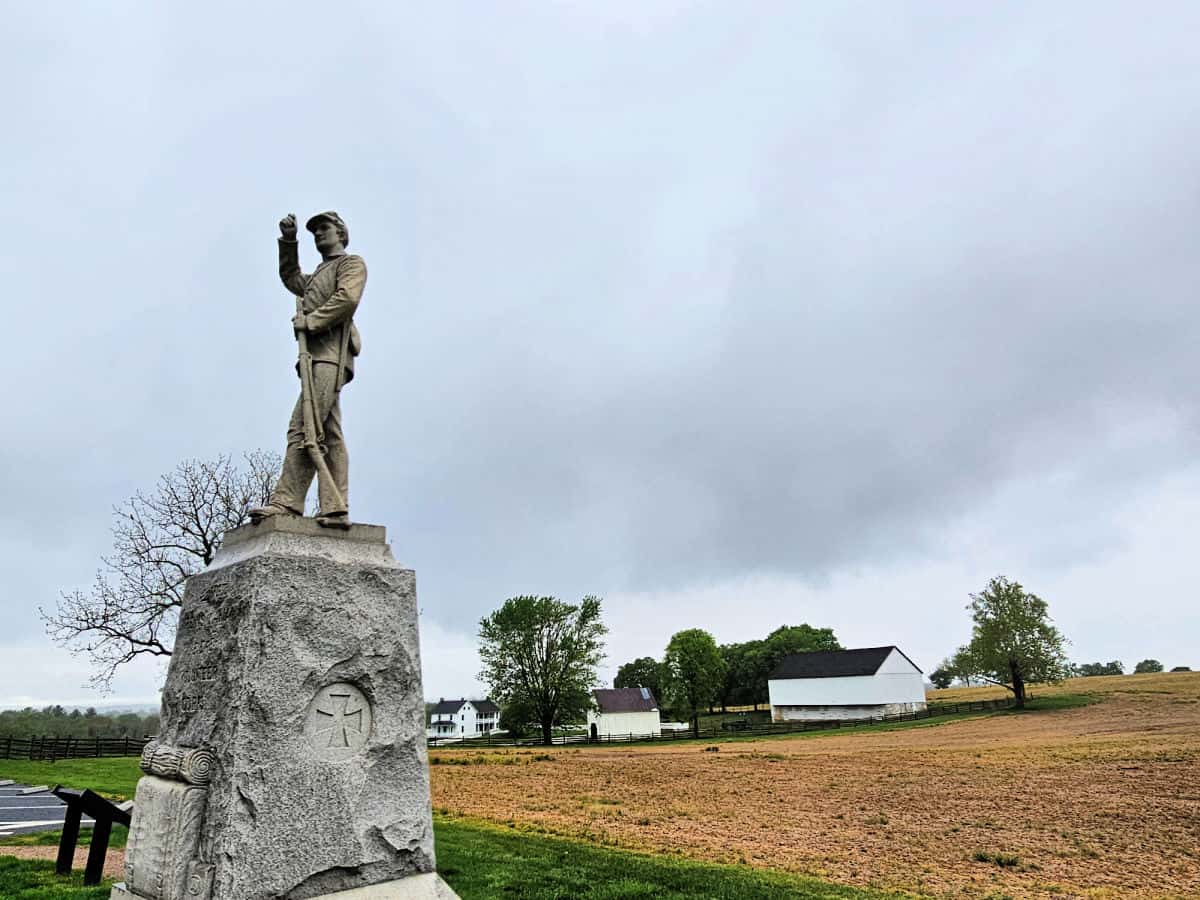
845	684
623	711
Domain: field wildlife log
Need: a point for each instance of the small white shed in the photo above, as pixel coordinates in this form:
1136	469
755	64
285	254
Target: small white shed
845	684
624	711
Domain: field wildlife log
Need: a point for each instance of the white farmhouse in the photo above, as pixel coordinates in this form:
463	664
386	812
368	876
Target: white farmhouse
463	719
845	684
623	711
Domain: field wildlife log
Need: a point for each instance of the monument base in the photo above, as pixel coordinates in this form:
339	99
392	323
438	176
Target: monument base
290	764
416	887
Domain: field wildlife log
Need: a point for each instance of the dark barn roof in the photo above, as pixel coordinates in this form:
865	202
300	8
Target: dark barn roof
619	700
835	663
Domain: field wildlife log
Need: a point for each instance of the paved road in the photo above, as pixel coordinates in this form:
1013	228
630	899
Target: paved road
22	813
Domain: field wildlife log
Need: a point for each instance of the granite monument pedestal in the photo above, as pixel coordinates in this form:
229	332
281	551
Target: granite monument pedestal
291	760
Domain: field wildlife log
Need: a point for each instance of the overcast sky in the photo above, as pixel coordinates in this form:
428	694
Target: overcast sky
736	315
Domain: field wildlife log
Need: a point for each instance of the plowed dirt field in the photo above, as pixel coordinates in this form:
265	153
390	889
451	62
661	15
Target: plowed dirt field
1101	801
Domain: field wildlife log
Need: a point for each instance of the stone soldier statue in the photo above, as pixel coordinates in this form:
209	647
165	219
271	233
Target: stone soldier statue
328	343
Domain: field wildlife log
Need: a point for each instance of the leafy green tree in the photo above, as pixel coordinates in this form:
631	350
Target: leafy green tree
743	668
519	718
693	673
943	676
54	721
539	659
1147	665
642	672
801	638
1012	641
748	665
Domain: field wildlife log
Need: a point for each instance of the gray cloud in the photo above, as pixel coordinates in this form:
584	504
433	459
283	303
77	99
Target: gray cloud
657	301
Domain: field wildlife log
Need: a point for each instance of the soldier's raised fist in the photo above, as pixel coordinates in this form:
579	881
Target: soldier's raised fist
287	227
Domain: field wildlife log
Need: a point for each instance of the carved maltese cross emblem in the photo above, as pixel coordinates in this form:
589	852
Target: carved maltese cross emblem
342	720
339	721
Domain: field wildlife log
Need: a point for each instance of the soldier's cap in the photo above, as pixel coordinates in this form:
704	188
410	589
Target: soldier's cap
330	216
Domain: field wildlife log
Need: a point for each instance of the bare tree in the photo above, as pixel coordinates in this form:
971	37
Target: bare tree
159	539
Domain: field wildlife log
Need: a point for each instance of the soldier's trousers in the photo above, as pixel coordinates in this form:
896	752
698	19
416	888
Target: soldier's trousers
298	468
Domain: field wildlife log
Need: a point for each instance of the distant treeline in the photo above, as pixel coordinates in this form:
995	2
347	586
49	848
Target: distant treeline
944	675
55	721
1116	667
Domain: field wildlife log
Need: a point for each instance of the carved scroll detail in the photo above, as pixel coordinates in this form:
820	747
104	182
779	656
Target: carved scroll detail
192	765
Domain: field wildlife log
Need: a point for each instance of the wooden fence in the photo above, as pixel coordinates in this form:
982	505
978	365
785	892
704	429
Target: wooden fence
730	728
52	748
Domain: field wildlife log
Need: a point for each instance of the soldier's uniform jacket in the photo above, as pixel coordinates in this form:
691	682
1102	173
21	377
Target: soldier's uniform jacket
331	294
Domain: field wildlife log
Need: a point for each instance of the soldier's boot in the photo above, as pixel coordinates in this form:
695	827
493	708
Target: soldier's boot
334	519
258	513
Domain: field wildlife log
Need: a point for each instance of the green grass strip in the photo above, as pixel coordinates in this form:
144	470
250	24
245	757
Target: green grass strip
482	861
1048	702
118	839
114	777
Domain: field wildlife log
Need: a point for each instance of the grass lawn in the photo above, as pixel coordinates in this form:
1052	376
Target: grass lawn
114	777
1047	702
32	879
1095	686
